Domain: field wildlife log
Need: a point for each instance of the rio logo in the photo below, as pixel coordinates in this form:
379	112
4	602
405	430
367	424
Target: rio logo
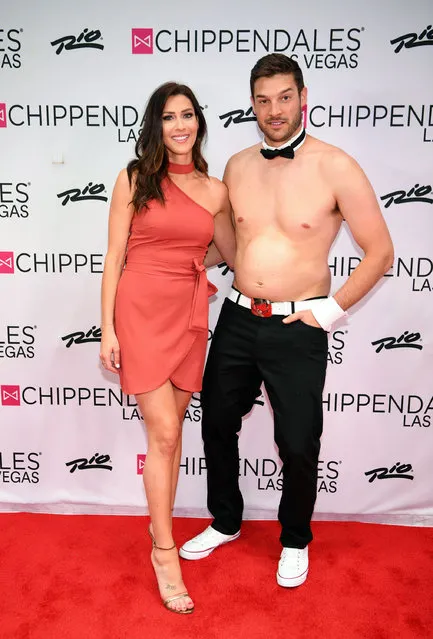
101	462
406	340
90	192
416	194
86	40
411	40
398	471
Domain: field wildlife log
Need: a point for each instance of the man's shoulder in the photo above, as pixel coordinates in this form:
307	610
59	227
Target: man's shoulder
328	151
336	166
330	155
244	155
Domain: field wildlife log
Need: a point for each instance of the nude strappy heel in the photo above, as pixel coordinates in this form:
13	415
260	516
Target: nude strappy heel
182	595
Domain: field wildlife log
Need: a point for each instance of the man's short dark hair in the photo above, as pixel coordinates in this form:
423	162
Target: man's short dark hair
273	64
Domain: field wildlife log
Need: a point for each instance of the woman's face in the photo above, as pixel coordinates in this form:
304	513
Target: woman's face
179	128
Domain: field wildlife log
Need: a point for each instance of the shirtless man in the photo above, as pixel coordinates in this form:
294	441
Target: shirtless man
273	325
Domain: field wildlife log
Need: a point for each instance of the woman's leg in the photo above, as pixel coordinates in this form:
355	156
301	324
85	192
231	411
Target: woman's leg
161	417
182	399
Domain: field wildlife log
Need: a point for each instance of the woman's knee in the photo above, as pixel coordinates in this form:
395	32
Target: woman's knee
164	437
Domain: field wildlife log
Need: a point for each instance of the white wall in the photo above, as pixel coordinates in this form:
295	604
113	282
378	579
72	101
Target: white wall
378	405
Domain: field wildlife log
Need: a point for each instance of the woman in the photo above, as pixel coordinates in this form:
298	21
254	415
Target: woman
164	213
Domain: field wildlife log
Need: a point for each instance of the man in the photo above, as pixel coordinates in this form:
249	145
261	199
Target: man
289	195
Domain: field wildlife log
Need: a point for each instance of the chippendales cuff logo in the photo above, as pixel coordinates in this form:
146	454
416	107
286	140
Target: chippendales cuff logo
101	462
90	192
401	471
86	40
416	194
80	337
406	340
411	40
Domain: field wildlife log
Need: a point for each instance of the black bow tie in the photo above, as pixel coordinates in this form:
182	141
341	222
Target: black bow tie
287	151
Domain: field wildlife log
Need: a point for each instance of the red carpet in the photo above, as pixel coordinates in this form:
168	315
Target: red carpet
65	577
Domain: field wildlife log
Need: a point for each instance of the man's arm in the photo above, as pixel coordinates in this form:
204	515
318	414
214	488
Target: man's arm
213	256
358	205
224	233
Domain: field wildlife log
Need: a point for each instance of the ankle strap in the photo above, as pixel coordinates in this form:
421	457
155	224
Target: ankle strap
160	548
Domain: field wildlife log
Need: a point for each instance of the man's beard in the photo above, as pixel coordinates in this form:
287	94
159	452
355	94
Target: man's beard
282	136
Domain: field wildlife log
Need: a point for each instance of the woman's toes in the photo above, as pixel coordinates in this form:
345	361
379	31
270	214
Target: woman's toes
186	605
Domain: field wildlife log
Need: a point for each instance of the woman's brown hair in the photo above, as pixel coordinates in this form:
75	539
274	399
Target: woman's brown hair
150	166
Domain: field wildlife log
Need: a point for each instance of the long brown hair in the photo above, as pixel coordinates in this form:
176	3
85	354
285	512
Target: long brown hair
150	166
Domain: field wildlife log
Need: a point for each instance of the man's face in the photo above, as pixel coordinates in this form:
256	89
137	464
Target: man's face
278	104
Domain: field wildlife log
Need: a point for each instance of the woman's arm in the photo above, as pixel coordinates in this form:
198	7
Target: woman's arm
121	212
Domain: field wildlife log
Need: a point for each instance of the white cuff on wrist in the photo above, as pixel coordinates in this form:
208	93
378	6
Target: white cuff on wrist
326	312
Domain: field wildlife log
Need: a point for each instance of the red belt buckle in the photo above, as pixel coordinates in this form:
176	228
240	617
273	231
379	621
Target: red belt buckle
261	307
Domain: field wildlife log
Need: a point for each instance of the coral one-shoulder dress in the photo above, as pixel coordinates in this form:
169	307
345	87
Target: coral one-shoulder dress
161	310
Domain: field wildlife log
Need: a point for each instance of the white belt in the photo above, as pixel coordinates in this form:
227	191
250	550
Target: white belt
278	308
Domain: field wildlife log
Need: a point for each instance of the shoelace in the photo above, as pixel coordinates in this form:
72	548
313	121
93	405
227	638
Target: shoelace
287	558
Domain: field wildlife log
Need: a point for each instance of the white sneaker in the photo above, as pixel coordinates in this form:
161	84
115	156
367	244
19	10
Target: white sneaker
292	567
203	544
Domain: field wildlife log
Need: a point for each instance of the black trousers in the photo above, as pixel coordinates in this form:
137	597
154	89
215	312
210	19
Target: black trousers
291	360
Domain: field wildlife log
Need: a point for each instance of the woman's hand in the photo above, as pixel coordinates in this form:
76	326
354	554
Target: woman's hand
110	351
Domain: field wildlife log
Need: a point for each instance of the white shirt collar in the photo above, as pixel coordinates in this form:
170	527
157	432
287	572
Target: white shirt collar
288	143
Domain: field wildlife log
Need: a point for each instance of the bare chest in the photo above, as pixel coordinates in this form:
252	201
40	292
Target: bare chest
292	200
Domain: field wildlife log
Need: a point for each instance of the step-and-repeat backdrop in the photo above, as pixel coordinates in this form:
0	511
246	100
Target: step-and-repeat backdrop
73	84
